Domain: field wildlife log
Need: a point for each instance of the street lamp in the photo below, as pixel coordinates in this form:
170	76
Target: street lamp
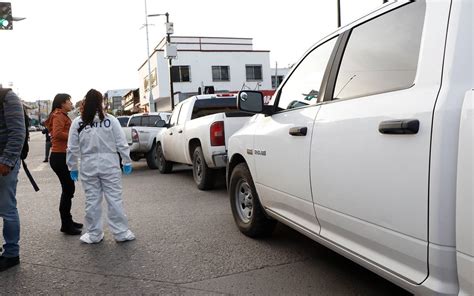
169	53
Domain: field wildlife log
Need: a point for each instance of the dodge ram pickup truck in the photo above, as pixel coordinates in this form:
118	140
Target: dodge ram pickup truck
367	147
197	135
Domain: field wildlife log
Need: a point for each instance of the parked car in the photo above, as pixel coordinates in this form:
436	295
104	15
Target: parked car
123	120
375	158
141	132
197	135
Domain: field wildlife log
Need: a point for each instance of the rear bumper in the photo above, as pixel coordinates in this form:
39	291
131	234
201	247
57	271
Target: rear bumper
219	160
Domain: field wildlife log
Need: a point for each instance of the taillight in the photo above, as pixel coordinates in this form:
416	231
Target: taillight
217	134
135	138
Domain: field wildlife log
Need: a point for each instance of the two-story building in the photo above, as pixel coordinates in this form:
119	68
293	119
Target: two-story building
224	63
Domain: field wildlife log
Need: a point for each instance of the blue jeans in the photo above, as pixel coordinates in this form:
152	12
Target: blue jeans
9	212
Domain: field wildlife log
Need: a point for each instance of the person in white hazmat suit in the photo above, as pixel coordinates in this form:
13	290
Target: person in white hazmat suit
95	138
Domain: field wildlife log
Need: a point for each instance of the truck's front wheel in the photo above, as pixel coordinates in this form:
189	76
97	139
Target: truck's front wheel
246	208
203	175
164	166
152	158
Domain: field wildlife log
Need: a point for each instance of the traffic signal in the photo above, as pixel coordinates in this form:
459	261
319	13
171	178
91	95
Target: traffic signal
6	19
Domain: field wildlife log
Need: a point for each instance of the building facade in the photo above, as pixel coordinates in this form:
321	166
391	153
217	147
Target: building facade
223	63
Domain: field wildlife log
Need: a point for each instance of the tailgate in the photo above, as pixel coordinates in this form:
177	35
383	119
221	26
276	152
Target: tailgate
128	134
233	122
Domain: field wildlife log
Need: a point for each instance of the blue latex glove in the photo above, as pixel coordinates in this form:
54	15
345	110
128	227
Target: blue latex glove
127	169
74	175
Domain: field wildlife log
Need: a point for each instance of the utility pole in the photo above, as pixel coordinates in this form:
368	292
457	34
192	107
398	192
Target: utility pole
151	102
170	64
338	13
169	53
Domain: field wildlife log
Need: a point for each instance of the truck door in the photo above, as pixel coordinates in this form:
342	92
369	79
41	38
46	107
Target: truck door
180	143
169	135
370	152
282	141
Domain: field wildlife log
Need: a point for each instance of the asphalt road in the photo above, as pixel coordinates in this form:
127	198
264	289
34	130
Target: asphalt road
187	244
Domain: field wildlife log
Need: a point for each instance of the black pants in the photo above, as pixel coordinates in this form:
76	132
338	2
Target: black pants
57	160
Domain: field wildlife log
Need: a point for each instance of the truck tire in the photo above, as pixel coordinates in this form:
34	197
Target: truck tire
135	156
164	166
246	208
203	175
152	157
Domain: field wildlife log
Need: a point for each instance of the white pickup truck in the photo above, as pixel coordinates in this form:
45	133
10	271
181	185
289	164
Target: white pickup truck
141	131
367	147
197	135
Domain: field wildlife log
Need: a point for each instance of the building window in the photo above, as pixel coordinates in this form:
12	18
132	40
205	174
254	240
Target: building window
278	81
220	73
253	72
180	74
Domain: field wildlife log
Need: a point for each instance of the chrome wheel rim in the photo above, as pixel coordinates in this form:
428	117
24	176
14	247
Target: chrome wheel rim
198	168
244	201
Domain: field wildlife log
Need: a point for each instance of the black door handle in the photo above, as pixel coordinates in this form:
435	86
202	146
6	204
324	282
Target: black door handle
399	127
298	131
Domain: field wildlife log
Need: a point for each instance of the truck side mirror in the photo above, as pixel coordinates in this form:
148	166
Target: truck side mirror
160	123
250	101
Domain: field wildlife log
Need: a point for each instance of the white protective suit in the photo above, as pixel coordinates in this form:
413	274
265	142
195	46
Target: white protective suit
97	147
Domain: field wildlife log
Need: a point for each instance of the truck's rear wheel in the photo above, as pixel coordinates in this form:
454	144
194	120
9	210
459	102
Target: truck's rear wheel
246	208
164	166
203	175
152	158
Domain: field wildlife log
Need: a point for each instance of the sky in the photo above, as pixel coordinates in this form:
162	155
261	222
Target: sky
71	46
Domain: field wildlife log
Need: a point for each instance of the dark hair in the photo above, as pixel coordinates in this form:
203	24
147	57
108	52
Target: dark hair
59	100
92	105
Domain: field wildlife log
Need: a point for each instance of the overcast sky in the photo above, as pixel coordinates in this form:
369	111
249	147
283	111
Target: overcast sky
71	46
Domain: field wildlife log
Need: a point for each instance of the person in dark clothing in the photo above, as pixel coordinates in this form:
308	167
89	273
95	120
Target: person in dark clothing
12	137
58	124
47	145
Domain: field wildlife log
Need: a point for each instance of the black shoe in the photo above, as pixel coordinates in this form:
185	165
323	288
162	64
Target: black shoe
77	225
7	262
71	230
45	160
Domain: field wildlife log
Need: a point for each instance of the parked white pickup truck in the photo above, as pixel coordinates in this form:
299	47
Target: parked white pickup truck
367	147
141	132
197	135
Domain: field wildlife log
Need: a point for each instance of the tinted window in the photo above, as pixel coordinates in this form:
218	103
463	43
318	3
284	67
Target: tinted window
382	54
153	119
135	121
174	115
302	88
212	106
123	121
183	113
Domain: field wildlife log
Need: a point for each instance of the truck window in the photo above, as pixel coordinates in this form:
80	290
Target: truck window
302	88
184	112
382	54
153	119
135	121
206	107
174	115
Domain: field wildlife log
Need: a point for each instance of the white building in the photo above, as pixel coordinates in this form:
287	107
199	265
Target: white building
225	63
278	74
